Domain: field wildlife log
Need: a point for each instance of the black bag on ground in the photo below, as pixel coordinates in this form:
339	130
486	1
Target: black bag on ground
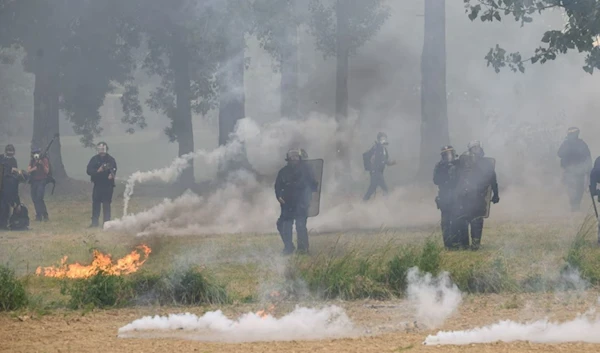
19	220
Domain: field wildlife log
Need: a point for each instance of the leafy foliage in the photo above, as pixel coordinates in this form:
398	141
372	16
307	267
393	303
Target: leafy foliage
362	19
12	291
580	31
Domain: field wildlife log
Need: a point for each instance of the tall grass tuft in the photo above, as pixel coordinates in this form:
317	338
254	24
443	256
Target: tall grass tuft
191	286
12	291
99	291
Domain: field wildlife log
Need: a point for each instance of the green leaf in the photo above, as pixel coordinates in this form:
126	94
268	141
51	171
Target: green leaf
497	16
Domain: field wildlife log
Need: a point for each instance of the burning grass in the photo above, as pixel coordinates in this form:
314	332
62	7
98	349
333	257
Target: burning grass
102	263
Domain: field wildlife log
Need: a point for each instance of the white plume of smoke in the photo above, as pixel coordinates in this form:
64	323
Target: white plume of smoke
170	173
300	324
245	205
582	329
435	298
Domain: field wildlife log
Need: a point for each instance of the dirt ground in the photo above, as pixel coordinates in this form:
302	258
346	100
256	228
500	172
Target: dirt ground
386	327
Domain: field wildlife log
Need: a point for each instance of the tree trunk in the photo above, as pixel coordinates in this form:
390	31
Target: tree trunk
46	111
342	55
183	113
289	72
341	84
434	110
231	87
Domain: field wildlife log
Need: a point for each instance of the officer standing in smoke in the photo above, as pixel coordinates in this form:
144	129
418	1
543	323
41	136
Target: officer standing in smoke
476	182
11	176
294	182
102	169
445	177
576	160
375	160
38	170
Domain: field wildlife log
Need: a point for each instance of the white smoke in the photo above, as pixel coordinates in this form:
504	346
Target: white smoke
582	329
435	298
300	324
172	172
245	205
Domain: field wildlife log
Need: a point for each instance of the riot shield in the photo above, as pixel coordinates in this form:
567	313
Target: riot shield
488	193
315	167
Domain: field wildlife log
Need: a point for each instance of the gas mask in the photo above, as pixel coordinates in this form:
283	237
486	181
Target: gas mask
36	156
102	149
448	156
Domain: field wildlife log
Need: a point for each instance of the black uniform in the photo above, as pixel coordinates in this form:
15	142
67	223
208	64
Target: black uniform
379	160
576	160
103	186
9	195
445	177
595	178
475	176
294	185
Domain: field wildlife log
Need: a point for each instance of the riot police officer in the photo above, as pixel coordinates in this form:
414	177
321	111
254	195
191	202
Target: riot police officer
576	160
293	183
102	169
445	177
376	159
11	177
476	178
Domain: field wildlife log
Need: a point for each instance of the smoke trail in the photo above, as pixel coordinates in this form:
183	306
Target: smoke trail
172	172
436	298
581	329
301	324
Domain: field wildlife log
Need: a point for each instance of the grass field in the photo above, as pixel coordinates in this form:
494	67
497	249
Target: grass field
520	273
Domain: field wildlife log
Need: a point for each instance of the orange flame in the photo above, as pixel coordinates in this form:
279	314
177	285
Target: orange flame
102	262
264	313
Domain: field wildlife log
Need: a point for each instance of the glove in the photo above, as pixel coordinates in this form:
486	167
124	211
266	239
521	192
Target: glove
495	198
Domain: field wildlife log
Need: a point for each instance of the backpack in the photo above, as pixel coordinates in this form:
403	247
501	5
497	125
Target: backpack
367	159
19	221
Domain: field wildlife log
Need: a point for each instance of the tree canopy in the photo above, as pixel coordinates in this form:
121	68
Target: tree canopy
580	31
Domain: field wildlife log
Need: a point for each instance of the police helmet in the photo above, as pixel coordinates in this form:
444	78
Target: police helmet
36	149
476	148
9	149
448	153
382	138
573	131
293	154
303	154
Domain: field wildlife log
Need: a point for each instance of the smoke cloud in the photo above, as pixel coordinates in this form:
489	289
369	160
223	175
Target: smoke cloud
582	329
435	298
300	324
245	204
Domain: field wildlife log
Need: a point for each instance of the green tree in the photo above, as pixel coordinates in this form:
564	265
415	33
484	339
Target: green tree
580	31
78	52
15	92
181	52
278	22
340	28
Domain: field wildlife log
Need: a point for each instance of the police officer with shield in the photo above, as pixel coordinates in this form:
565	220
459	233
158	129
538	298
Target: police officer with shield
294	183
445	177
477	186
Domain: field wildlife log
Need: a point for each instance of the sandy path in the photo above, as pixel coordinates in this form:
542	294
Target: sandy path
390	324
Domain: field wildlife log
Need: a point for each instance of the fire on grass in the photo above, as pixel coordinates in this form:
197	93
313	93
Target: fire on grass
264	313
101	262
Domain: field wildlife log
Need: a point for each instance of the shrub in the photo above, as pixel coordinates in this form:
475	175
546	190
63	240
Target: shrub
188	287
100	291
12	291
